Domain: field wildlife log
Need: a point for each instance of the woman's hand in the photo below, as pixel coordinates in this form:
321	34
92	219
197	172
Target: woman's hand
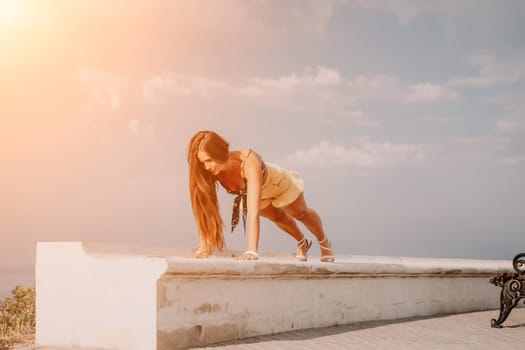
198	254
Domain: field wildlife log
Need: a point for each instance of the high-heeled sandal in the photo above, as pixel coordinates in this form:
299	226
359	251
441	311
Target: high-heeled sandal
303	243
326	257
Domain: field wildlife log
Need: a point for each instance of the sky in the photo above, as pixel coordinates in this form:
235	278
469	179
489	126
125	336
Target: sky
405	119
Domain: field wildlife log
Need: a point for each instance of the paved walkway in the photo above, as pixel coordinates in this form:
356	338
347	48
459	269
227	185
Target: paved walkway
463	331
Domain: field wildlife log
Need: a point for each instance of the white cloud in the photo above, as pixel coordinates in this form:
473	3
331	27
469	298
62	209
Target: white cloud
375	87
106	89
315	89
320	77
359	118
169	84
319	89
510	125
513	102
474	81
440	119
428	93
365	155
143	131
319	14
513	160
285	18
509	132
504	144
153	88
408	10
493	69
508	136
388	88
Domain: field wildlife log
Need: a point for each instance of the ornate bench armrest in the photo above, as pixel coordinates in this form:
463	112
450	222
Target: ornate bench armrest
519	263
512	288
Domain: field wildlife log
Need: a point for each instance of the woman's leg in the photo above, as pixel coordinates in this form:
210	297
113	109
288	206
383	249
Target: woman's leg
286	223
300	211
283	220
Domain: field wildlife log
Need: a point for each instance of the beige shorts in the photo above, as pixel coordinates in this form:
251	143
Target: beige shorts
281	187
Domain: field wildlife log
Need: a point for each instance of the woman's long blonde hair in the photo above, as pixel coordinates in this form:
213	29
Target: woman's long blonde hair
203	189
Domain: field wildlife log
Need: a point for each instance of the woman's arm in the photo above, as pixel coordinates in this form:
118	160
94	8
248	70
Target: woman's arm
253	176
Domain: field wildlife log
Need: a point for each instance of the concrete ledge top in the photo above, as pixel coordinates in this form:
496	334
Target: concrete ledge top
179	262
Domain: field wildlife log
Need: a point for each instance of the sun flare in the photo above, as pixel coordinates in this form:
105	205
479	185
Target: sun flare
11	11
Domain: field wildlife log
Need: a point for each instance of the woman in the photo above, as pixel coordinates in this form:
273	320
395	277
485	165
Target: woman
261	189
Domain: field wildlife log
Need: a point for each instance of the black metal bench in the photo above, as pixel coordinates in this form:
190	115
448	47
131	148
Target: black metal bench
513	289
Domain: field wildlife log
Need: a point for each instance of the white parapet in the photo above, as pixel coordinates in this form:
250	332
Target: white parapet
152	298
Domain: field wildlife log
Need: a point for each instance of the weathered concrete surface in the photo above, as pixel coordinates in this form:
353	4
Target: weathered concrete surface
456	332
97	300
121	297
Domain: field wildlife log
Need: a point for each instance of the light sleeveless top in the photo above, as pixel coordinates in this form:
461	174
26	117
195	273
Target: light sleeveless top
280	187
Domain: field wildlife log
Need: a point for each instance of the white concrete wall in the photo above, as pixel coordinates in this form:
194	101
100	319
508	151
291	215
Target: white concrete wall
95	300
121	297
